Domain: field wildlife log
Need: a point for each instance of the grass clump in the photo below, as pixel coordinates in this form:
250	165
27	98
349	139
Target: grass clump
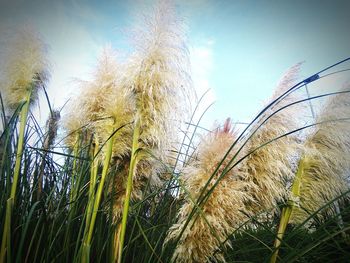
25	73
123	184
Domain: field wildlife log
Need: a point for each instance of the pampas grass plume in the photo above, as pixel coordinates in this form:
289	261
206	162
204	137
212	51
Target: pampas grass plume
159	76
254	186
102	105
221	211
25	66
326	159
268	169
156	76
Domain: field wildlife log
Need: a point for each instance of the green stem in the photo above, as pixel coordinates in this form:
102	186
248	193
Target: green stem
116	242
6	238
72	195
6	234
287	211
87	240
73	179
24	115
93	176
132	169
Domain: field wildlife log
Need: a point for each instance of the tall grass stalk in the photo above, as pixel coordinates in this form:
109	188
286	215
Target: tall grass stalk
74	178
91	200
74	188
6	237
131	173
92	183
97	199
51	132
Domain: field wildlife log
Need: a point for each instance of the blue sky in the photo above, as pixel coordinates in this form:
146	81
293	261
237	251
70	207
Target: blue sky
239	49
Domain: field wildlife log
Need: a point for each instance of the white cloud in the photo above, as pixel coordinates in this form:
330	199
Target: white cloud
202	65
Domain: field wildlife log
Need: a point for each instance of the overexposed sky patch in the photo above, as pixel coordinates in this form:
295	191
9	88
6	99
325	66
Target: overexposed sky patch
201	57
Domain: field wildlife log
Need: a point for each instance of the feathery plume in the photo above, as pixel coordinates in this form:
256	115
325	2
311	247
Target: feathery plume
158	76
52	127
325	160
95	92
210	226
252	187
107	108
320	176
102	106
118	113
268	169
50	136
25	71
25	66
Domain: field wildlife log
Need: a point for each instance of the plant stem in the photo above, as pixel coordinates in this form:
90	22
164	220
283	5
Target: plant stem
73	185
132	169
93	176
23	120
6	237
87	240
287	211
74	172
116	243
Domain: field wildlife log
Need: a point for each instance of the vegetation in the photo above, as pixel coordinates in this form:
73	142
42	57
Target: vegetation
129	179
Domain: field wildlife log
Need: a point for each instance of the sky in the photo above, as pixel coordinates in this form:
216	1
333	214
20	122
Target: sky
238	49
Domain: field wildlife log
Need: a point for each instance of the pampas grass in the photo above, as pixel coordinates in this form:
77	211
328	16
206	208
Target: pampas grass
255	185
157	76
219	215
322	171
25	71
326	159
146	94
111	191
267	170
25	68
105	108
51	134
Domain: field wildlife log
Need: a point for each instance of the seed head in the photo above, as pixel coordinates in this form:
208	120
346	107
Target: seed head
266	170
326	159
157	74
102	105
222	211
25	66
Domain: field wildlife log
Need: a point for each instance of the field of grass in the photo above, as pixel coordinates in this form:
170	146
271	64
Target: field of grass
129	175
